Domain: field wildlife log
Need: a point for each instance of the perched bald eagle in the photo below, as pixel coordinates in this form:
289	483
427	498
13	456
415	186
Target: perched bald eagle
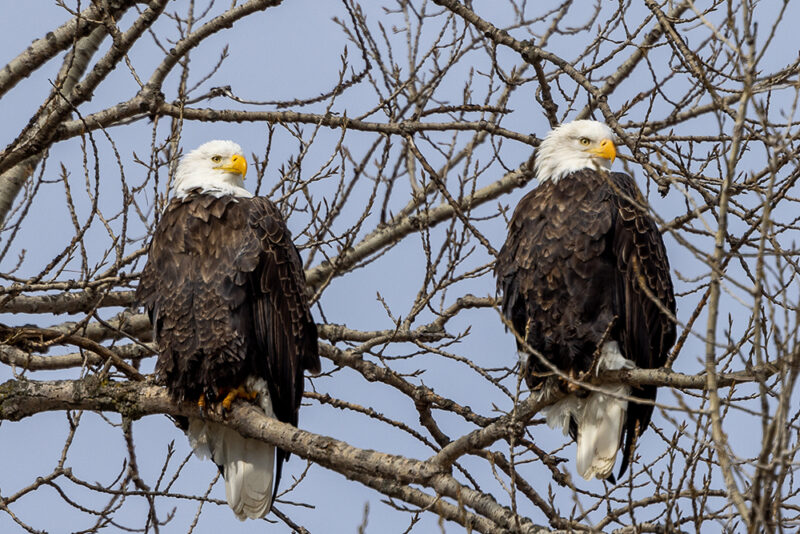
585	283
225	290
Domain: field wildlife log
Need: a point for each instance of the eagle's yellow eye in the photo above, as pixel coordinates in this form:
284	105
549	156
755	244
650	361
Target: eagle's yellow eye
216	159
584	141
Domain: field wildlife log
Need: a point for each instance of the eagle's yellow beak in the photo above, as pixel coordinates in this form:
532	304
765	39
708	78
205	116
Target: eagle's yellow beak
605	149
236	165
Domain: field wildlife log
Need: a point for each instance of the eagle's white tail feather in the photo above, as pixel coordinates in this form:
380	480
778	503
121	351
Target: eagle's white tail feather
599	417
599	428
600	424
247	464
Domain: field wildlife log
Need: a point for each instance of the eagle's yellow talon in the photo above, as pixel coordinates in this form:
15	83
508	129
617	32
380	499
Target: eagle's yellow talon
235	393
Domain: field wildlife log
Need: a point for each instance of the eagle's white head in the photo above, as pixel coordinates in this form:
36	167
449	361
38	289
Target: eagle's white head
216	168
573	146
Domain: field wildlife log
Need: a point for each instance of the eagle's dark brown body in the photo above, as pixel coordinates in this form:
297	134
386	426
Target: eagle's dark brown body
583	264
225	290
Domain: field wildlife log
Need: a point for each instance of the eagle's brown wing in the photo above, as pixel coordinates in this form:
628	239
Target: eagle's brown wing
644	290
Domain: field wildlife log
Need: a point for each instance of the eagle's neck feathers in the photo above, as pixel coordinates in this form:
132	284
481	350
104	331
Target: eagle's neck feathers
557	166
216	190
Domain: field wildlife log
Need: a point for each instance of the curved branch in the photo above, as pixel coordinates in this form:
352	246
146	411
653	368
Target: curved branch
185	45
145	105
30	336
398	229
39	135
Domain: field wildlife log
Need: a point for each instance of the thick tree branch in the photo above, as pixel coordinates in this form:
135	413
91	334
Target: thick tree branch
45	48
75	302
23	398
36	137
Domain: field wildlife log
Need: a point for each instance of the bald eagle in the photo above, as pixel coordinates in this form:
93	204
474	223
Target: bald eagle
225	290
585	283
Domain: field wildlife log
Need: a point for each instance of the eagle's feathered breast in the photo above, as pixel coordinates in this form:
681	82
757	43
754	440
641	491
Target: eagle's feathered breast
554	270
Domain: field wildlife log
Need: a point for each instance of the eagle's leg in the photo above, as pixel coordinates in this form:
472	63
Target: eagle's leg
572	384
237	393
201	402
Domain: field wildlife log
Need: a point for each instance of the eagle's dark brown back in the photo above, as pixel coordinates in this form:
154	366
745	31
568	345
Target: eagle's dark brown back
581	257
225	290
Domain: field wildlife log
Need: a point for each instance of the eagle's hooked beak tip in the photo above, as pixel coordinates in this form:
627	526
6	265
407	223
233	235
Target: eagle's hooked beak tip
236	165
239	163
606	150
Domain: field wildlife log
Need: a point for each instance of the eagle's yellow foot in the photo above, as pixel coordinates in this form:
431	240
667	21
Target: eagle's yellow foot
240	393
201	402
